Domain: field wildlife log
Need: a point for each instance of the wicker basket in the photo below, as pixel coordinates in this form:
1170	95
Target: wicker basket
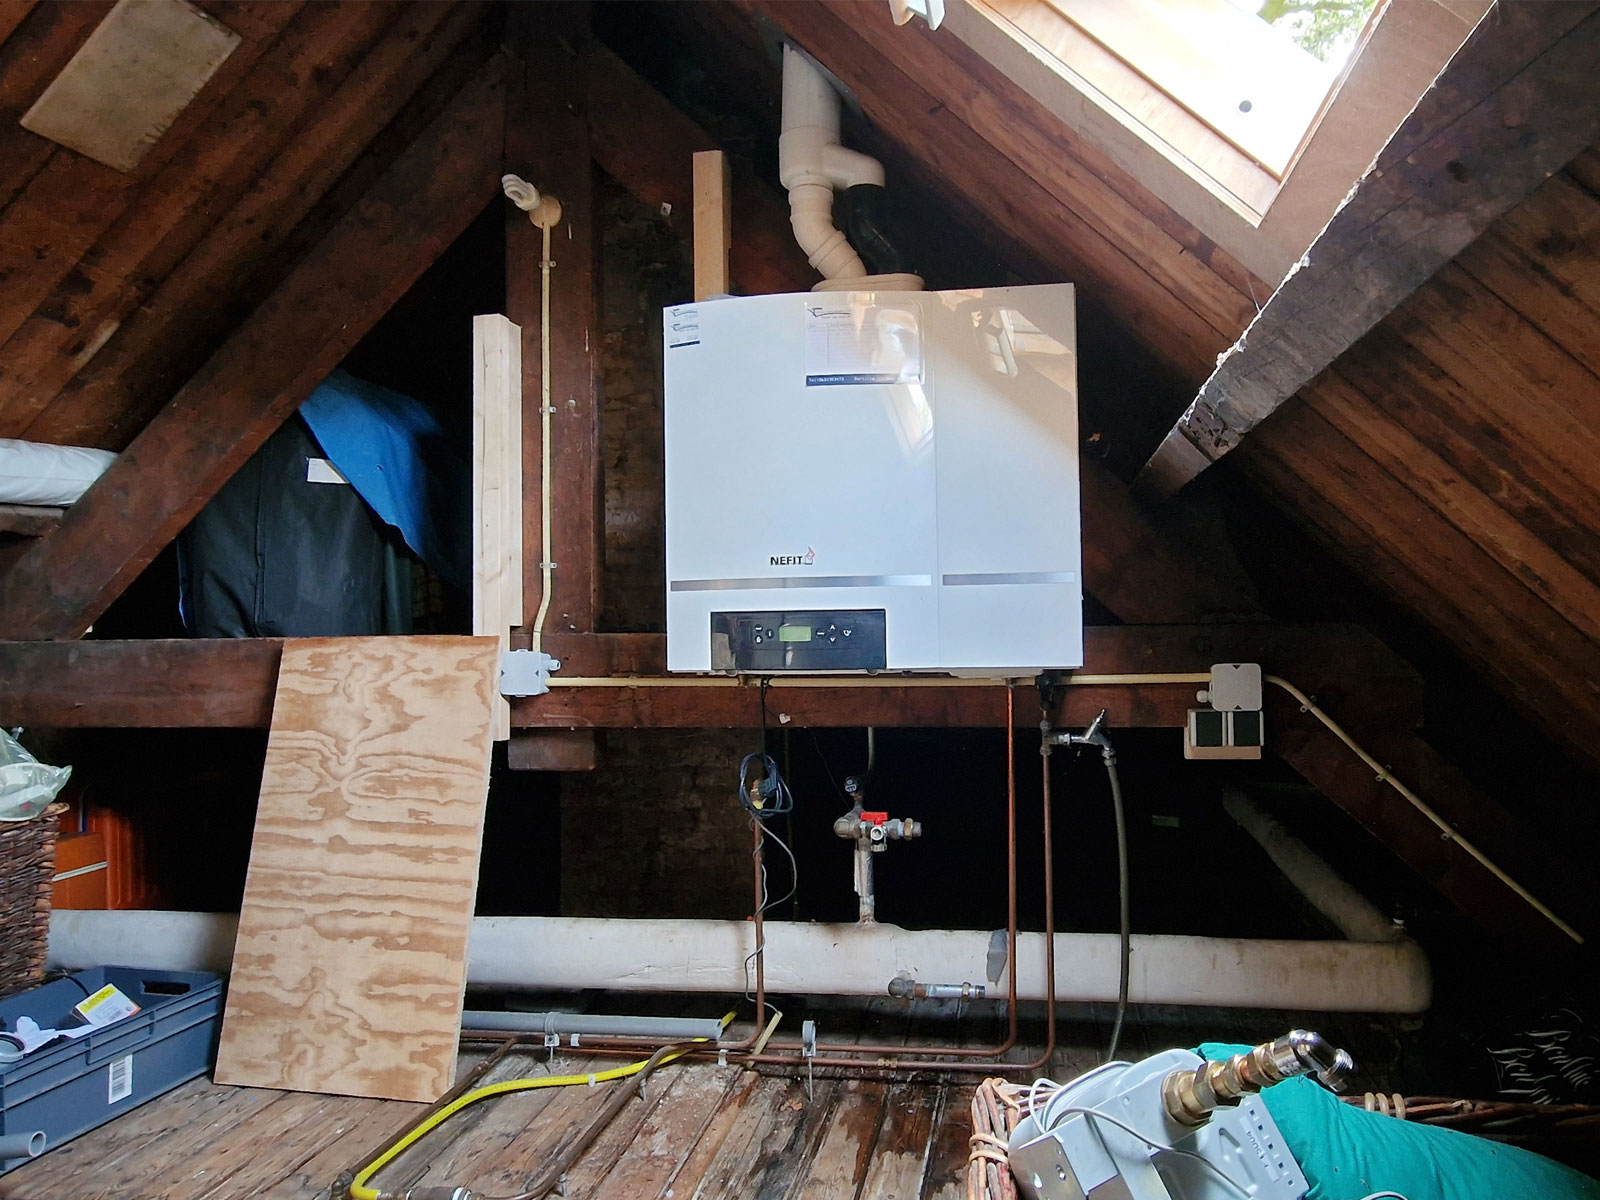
27	866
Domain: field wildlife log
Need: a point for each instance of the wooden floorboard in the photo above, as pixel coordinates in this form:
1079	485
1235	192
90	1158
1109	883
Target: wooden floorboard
701	1132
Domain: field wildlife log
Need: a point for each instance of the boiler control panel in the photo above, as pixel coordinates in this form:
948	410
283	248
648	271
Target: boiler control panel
833	640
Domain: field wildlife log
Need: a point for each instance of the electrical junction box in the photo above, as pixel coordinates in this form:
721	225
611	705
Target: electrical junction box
873	481
1234	686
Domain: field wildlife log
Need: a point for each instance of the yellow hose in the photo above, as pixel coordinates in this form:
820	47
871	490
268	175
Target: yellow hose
358	1186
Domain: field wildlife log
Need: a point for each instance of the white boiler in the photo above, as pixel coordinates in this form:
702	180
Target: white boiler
873	481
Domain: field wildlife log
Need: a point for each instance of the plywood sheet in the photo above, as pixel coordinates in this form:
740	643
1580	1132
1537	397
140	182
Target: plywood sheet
138	70
350	965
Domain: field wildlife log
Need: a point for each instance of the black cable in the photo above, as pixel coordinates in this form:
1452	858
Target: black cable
1126	946
763	793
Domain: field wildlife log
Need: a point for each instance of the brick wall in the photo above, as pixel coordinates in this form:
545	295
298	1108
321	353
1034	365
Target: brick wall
656	830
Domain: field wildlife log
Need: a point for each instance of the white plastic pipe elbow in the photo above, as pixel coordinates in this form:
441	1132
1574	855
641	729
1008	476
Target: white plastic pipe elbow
826	247
812	163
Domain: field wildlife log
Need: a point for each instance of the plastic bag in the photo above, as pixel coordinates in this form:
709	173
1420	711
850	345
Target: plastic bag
26	785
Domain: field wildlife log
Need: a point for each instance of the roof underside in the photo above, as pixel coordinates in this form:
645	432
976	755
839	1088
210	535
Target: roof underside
1450	457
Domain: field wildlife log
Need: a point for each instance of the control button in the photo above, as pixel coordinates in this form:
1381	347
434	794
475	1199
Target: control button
831	638
846	631
769	633
758	639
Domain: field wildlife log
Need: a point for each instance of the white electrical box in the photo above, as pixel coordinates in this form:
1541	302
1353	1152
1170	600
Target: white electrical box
873	481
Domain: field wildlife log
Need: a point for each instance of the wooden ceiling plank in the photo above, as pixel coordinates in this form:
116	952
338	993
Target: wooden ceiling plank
29	59
115	390
1540	568
1368	519
1531	385
1514	105
1463	427
417	207
1008	196
1543	259
12	14
226	154
1083	183
1585	169
654	166
66	207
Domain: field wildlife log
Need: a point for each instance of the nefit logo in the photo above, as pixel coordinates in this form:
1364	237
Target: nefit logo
793	560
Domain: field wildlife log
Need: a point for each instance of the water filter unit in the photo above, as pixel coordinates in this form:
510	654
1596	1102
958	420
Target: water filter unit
873	481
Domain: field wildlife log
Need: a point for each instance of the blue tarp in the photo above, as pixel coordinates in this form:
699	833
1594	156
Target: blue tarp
395	454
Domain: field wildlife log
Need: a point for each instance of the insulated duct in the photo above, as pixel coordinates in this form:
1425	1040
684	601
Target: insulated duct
805	958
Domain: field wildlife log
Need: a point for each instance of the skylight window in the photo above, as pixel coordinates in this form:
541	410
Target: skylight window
1245	78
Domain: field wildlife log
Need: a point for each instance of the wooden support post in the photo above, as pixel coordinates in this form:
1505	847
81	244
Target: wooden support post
547	143
496	487
260	375
713	228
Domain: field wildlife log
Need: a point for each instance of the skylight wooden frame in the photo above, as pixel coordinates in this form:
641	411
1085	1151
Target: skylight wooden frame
1262	221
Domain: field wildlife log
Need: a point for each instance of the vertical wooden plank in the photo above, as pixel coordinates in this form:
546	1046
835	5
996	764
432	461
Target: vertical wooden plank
547	143
713	228
496	487
350	965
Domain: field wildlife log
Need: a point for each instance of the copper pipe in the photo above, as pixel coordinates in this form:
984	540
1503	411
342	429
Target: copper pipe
897	1052
895	1055
1011	929
757	858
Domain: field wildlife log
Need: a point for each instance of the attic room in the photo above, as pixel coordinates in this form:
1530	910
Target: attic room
799	598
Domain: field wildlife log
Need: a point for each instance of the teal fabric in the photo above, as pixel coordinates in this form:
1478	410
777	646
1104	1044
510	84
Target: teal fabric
1348	1153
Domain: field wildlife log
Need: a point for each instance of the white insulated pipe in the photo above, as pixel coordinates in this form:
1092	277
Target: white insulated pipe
1327	891
811	959
812	163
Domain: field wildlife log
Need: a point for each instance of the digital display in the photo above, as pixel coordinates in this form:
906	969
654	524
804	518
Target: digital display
794	633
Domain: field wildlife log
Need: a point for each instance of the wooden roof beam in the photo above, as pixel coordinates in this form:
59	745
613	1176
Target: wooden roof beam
228	682
260	375
1516	104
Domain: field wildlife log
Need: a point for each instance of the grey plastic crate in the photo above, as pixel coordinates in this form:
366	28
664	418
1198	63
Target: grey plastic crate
73	1086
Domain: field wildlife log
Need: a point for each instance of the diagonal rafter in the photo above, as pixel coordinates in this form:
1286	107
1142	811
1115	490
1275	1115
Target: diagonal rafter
1516	104
404	221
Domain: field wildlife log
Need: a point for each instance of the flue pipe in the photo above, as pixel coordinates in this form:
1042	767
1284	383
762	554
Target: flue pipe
812	164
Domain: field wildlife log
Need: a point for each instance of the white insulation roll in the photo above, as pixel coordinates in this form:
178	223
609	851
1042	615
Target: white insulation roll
42	474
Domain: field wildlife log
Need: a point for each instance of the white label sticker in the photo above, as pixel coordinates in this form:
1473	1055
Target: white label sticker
320	470
119	1079
106	1006
683	326
853	342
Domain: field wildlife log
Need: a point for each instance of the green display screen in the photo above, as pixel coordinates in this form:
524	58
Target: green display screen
794	633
